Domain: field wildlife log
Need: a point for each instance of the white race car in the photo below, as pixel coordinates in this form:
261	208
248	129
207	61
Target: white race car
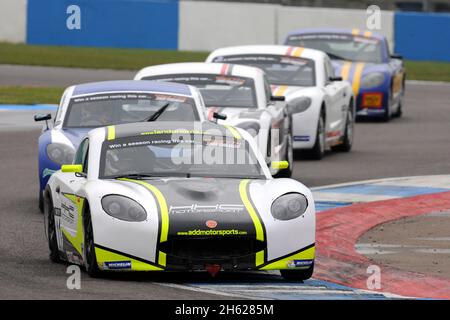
243	95
296	72
177	196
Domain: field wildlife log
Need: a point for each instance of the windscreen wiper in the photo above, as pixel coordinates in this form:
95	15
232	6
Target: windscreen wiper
157	113
334	56
134	176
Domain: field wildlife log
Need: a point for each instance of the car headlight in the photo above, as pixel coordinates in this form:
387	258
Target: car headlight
299	104
123	208
372	80
60	153
251	127
289	206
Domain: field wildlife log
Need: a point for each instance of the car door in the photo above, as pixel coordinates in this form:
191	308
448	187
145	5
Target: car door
68	192
336	103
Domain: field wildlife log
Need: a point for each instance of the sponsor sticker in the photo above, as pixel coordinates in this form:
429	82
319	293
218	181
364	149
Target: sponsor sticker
226	232
117	265
299	263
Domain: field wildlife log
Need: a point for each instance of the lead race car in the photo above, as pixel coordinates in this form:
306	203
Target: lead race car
149	197
363	58
87	106
243	95
293	72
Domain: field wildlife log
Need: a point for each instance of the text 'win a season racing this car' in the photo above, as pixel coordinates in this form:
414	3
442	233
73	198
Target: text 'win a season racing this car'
165	196
87	106
243	95
293	72
363	58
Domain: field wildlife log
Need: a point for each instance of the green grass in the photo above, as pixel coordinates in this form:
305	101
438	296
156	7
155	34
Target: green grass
134	59
97	58
30	95
433	71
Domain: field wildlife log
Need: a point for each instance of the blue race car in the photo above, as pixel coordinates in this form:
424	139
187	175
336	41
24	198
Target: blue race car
362	58
87	106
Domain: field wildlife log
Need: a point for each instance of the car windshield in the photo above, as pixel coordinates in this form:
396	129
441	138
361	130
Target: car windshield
179	153
116	108
341	46
280	70
217	90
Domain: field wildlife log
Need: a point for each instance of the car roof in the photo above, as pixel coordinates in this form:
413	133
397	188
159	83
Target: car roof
200	68
131	85
161	127
269	49
354	31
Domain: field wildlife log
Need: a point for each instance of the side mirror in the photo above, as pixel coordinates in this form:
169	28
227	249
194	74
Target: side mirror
277	98
219	116
43	117
332	79
74	168
298	105
396	56
279	165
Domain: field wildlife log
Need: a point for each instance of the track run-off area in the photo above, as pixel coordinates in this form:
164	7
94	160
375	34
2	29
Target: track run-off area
416	145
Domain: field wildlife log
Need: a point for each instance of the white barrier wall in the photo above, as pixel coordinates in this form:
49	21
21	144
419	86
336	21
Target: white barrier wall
205	26
13	16
291	18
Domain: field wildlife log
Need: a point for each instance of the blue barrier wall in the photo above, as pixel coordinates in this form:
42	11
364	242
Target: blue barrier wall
105	23
422	36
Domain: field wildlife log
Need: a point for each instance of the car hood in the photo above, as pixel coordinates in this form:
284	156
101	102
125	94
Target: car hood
75	135
199	207
367	68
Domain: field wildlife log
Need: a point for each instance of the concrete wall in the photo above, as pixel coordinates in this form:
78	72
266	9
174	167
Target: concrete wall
13	16
291	18
206	25
209	25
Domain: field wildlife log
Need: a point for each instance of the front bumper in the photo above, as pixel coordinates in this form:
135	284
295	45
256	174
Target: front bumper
198	256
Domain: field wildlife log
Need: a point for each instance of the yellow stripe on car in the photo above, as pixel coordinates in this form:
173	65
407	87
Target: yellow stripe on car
297	52
357	77
234	132
164	214
345	71
111	132
259	259
307	254
355	32
77	240
280	91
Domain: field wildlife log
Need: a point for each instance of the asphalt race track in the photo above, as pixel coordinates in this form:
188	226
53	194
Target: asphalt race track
416	144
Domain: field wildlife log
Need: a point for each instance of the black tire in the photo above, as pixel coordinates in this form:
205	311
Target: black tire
347	140
49	218
89	246
399	111
318	151
297	275
41	202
